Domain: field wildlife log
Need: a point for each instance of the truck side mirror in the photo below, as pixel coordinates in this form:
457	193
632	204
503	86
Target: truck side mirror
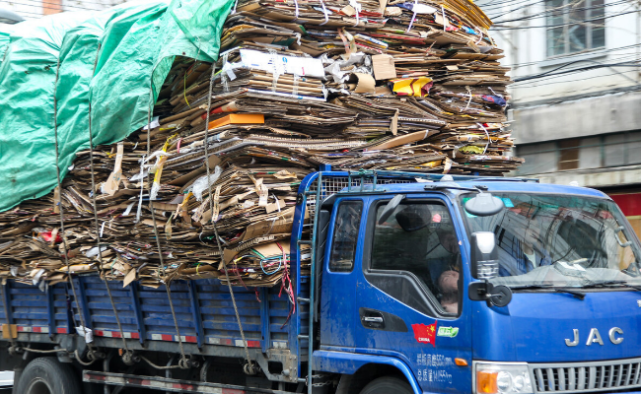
485	255
485	266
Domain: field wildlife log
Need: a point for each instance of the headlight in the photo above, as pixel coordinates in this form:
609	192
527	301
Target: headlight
502	378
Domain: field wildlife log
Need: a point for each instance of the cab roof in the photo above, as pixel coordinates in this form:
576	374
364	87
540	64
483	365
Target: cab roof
418	182
498	186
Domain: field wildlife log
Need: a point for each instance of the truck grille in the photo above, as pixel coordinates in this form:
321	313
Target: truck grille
586	377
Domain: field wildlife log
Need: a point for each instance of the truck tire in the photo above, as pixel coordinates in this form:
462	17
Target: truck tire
387	385
46	375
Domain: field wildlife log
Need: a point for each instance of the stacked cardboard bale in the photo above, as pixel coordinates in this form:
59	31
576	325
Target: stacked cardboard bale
412	86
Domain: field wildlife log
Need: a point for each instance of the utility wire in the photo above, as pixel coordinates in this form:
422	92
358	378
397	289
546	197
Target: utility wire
587	21
602	52
29	13
574	70
60	8
512	4
552	75
546	13
61	5
571	81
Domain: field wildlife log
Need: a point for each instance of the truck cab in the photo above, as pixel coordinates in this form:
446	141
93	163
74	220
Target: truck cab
477	285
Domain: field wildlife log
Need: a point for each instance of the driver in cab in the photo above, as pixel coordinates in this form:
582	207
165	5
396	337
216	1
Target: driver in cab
526	252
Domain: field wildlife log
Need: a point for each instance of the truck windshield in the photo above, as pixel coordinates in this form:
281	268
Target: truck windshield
560	241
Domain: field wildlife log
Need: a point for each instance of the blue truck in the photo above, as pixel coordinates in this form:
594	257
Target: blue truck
419	283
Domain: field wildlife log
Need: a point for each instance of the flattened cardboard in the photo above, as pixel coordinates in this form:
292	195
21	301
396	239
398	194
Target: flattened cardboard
383	67
366	84
403	140
130	277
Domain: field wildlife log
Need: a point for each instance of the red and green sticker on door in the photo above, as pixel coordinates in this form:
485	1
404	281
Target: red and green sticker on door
428	333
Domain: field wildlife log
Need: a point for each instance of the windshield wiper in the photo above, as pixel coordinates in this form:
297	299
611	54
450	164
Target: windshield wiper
614	283
577	294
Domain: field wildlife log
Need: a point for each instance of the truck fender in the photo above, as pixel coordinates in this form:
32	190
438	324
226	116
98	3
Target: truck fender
350	363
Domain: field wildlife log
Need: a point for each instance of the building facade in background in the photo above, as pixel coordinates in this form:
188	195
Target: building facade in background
575	107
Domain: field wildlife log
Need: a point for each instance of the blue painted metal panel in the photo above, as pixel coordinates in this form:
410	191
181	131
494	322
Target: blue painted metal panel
134	289
81	304
61	308
99	306
28	305
264	318
6	297
51	312
195	311
534	326
217	311
156	311
349	363
278	311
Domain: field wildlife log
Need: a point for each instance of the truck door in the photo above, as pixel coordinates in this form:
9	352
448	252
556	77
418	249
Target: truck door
409	292
339	275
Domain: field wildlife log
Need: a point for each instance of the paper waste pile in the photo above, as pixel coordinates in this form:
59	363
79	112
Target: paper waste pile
394	85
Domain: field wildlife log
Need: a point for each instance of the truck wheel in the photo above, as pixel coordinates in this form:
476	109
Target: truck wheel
388	385
46	375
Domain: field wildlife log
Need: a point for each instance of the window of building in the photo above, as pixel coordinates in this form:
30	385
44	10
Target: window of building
569	154
610	150
590	152
348	221
539	158
614	150
574	27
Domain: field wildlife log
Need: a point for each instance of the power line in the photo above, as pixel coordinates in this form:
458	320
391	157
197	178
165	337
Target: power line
601	52
587	21
574	70
30	13
572	81
93	2
502	4
570	4
52	8
619	58
513	3
546	13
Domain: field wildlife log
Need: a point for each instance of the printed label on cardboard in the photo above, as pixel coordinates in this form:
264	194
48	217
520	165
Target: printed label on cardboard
301	66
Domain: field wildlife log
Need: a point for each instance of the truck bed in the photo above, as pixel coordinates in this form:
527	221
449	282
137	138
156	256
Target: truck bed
203	309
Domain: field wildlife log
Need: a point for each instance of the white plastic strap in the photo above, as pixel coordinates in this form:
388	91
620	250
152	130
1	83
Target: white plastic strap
142	184
86	333
357	7
223	75
488	137
233	11
276	69
229	70
296	5
295	87
469	94
414	9
324	13
480	37
444	20
494	93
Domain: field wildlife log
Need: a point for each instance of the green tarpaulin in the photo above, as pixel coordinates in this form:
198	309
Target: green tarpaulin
110	58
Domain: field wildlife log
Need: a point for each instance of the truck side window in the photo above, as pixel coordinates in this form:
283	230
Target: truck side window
420	238
348	220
